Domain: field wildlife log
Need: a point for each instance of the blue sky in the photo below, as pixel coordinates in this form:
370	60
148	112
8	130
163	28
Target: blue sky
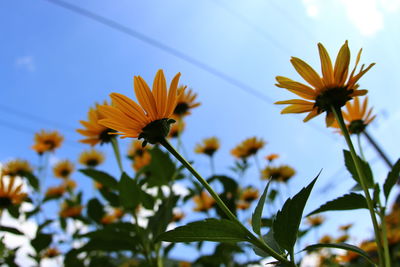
56	64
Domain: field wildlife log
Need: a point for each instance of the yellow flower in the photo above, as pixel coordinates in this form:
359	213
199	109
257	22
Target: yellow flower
345	227
185	102
281	174
271	157
203	202
247	148
94	132
91	158
315	220
242	205
47	141
63	169
69	184
55	191
177	216
139	154
336	86
356	117
208	147
184	264
325	239
342	238
17	167
249	194
149	120
10	194
112	217
70	211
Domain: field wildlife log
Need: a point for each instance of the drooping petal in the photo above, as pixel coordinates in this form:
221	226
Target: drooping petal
296	108
329	119
311	115
307	72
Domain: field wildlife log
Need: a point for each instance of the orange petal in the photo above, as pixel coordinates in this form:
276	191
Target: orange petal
295	108
145	97
326	65
307	72
299	89
342	64
172	95
129	107
160	92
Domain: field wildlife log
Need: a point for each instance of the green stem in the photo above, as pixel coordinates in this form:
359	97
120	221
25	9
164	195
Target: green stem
212	166
360	147
114	142
362	180
253	239
384	234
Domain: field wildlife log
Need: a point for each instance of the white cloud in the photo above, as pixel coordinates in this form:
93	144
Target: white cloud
312	7
26	62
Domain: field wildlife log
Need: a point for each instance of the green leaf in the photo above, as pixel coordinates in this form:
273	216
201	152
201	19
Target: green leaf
271	242
110	196
41	242
287	222
129	192
43	225
32	179
366	169
207	230
350	201
11	230
161	168
342	246
256	217
391	179
377	192
95	210
101	177
159	221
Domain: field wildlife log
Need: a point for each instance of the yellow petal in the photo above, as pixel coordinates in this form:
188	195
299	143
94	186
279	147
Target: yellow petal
128	106
145	97
160	92
311	115
342	64
295	108
172	95
326	65
329	119
299	89
307	72
294	101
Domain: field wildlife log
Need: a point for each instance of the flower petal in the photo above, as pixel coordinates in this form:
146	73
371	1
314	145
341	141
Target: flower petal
311	115
342	64
160	92
326	65
129	107
172	95
307	72
145	97
296	108
297	88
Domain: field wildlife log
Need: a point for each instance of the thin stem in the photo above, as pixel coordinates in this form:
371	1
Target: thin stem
360	147
384	234
114	142
339	118
378	149
212	165
253	239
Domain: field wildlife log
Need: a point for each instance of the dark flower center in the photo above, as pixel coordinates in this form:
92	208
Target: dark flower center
65	172
92	162
181	108
156	131
5	202
50	144
357	127
336	97
105	137
209	151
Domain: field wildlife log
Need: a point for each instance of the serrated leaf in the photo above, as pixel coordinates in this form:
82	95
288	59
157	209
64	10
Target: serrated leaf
12	230
207	230
101	177
287	222
271	242
366	169
391	179
41	241
350	201
161	169
342	246
256	217
129	192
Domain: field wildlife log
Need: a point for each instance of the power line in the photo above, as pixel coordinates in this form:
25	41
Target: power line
36	118
144	38
170	50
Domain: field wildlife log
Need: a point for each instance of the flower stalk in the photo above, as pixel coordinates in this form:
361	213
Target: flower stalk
339	118
115	146
378	149
253	239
